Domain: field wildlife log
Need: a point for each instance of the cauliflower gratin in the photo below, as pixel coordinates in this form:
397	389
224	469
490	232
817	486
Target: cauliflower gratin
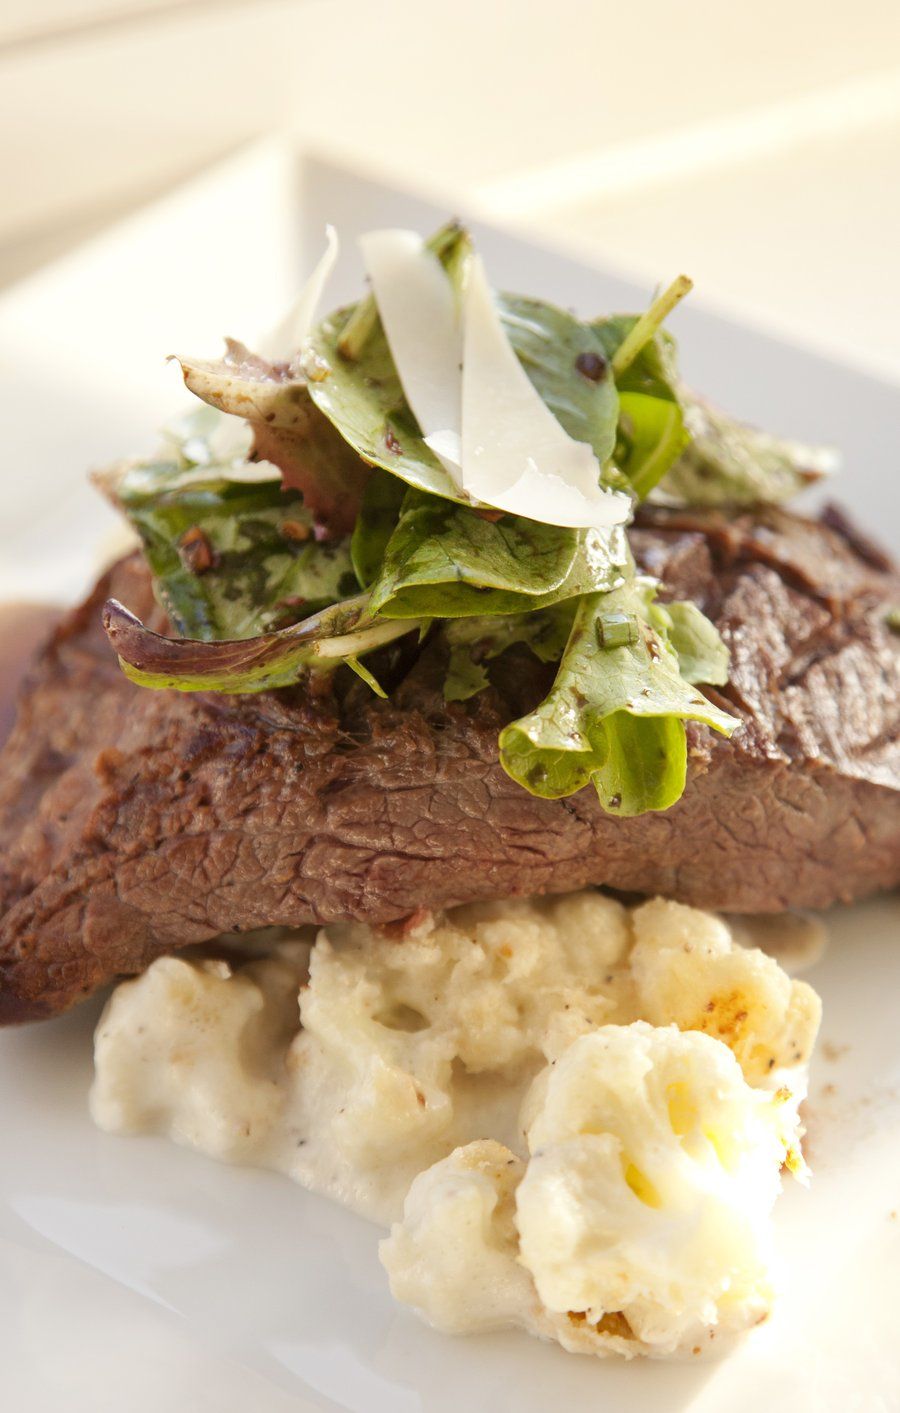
573	1115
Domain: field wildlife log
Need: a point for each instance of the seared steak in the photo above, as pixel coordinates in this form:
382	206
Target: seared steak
134	822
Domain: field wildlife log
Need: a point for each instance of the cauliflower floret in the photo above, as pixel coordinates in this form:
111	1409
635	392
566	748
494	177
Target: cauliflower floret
453	1256
364	1043
495	976
194	1049
642	1214
653	1172
423	1038
688	971
411	1048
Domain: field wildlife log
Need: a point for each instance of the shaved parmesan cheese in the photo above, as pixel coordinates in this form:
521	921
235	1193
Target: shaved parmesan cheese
516	455
447	447
289	336
542	495
475	404
421	323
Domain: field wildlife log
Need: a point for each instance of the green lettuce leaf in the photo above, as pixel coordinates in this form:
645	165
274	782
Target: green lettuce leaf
559	353
475	641
353	382
445	555
730	463
375	524
675	445
465	676
365	403
651	427
444	561
615	715
654	370
231	557
702	656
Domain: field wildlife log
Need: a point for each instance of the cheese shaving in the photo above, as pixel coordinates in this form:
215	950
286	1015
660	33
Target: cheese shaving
285	340
421	323
516	455
475	404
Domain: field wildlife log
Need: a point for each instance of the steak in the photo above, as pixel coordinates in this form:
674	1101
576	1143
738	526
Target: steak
135	822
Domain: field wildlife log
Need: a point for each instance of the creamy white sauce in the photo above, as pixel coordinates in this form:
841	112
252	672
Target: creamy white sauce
797	941
448	1083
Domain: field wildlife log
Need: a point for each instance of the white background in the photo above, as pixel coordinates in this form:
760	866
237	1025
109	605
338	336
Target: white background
756	146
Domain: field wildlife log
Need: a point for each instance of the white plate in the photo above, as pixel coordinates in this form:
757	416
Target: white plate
137	1275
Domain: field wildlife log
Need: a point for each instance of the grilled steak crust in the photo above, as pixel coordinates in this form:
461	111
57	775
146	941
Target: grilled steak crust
134	822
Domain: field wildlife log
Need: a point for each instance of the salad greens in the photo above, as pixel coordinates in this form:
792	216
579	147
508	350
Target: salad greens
474	641
343	532
230	558
375	524
445	561
702	656
339	634
727	462
694	453
287	431
615	714
651	428
363	398
450	560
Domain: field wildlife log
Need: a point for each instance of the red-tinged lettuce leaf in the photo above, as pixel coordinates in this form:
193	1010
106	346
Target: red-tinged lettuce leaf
288	430
344	631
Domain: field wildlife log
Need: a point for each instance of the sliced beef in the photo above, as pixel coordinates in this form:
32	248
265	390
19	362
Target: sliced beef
134	822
